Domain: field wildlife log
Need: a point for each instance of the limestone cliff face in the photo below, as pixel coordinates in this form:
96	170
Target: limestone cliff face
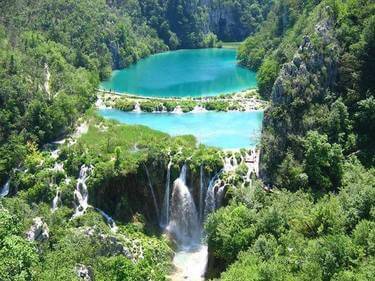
124	196
304	81
235	20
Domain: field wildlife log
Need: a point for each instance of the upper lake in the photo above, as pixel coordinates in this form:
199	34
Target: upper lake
183	73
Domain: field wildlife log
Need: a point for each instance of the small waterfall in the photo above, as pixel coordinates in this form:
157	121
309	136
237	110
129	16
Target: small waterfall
58	167
81	193
5	189
219	196
55	201
137	108
177	110
165	211
184	224
201	194
109	220
211	195
152	193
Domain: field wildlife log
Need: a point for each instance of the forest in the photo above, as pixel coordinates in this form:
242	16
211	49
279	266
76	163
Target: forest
309	216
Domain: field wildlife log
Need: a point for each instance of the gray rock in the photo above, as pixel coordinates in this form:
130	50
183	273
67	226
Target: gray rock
38	231
84	272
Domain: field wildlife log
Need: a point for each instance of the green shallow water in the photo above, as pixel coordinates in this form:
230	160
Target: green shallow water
183	73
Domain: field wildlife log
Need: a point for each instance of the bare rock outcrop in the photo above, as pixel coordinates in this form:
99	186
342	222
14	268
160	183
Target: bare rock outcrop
38	231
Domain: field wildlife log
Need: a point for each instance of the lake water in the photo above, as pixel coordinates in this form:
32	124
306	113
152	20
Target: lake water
183	73
226	130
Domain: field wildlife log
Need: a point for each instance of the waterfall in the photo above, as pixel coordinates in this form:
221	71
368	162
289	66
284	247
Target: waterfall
137	108
165	211
55	201
5	190
81	193
109	220
219	196
211	195
201	194
184	224
152	193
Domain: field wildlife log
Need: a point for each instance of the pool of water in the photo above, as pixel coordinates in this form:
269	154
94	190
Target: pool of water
226	130
190	265
183	73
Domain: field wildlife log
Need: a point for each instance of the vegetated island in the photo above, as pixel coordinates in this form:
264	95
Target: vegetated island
247	100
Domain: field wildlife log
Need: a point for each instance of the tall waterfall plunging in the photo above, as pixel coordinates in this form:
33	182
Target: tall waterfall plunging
165	211
184	224
81	194
152	193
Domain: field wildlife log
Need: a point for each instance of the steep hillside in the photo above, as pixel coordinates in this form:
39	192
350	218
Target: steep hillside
315	63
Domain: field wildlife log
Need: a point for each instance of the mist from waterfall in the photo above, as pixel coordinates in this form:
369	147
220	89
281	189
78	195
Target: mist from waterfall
184	224
166	202
152	193
5	189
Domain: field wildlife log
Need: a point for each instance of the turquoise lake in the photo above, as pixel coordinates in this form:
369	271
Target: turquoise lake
183	73
226	130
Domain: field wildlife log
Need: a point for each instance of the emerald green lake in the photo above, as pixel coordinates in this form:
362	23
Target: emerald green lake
183	73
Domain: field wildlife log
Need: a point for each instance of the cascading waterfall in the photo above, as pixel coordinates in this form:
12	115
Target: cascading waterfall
137	108
81	193
152	193
108	219
210	201
165	211
5	189
55	201
219	196
184	224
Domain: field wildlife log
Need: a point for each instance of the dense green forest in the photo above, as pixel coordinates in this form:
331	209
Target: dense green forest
315	63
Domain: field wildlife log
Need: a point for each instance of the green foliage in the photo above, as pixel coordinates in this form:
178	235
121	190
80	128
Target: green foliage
266	76
18	259
294	237
323	161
